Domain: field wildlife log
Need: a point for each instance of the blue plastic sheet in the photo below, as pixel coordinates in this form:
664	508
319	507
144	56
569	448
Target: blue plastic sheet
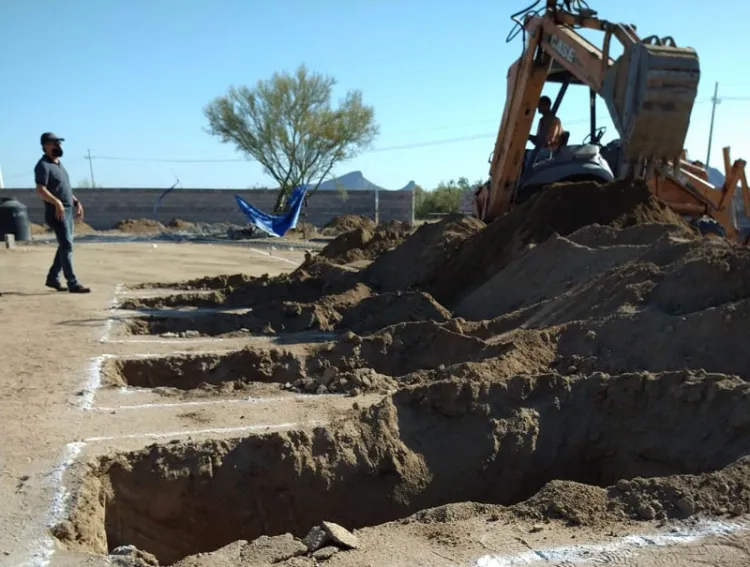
275	225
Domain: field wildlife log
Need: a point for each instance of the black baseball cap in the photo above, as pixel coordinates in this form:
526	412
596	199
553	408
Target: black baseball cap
48	137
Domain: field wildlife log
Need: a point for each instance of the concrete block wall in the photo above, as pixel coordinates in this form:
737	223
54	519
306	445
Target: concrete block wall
105	207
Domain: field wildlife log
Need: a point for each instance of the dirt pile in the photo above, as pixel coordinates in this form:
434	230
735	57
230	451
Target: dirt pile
347	223
139	226
361	244
535	444
561	209
303	231
421	257
180	225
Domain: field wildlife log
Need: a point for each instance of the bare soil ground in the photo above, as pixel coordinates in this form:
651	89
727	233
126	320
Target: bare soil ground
567	384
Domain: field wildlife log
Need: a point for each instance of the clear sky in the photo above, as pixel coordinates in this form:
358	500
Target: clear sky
131	79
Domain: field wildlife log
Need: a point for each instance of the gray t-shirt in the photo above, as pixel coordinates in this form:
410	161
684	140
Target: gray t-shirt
54	176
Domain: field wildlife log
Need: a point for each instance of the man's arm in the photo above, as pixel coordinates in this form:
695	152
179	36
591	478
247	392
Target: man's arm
554	132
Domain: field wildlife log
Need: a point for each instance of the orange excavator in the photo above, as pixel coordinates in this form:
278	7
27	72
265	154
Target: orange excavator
649	92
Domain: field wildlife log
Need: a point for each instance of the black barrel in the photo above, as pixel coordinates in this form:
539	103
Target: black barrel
14	219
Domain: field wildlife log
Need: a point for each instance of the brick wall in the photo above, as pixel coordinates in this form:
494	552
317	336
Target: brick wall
104	207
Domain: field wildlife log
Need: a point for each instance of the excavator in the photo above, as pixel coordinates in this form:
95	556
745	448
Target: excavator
649	92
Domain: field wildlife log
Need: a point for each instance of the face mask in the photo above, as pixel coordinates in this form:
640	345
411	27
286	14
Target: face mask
57	152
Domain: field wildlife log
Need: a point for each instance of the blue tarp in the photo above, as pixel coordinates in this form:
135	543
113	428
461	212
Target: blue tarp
275	225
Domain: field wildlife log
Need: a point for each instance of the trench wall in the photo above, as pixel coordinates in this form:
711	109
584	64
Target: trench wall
105	207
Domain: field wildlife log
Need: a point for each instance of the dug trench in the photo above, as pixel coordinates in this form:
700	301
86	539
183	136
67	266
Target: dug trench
659	446
571	360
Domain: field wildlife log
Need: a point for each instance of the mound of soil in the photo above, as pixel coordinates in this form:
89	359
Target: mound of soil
560	209
180	225
361	244
303	231
139	226
422	256
81	227
652	446
347	223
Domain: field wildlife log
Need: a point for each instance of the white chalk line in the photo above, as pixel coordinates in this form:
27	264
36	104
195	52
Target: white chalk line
93	381
213	430
274	257
250	401
45	546
176	340
613	551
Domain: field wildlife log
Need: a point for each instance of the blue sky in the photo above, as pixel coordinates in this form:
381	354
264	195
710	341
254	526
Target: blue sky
130	80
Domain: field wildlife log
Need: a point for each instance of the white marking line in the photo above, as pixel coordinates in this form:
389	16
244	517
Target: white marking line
58	507
110	321
614	551
274	257
175	341
93	381
270	427
251	400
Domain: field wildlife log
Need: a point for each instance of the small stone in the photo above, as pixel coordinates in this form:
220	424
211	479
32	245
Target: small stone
536	528
244	330
686	505
315	538
328	375
737	510
646	512
309	385
341	535
572	369
354	392
192	334
343	383
591	335
325	553
321	389
169	335
355	406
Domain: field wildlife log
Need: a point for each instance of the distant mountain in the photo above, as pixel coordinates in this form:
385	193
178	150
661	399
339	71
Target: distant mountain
715	177
356	181
353	181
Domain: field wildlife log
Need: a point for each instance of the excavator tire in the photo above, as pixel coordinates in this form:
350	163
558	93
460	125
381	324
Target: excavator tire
529	191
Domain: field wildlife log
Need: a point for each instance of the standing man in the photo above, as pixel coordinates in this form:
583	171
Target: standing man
60	209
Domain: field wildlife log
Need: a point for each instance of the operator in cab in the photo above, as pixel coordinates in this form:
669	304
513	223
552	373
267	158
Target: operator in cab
549	130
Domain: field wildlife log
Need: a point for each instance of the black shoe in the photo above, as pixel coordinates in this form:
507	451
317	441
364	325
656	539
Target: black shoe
55	285
78	288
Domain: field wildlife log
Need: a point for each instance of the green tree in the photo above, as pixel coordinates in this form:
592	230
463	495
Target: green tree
287	124
444	199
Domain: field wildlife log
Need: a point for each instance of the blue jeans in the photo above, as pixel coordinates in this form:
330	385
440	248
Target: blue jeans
64	257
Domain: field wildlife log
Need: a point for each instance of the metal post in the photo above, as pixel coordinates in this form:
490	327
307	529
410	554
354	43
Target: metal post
91	168
715	100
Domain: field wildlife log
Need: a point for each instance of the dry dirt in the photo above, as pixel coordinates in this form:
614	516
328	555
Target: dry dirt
346	223
527	392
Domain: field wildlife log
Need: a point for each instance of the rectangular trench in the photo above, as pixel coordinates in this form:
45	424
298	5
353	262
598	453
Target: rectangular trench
433	445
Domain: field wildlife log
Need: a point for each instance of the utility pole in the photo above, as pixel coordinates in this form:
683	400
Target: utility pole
91	166
714	101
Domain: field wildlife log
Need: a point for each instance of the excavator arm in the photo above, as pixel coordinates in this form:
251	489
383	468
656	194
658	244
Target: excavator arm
649	91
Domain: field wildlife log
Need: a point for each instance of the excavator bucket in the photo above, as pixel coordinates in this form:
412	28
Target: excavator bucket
650	91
